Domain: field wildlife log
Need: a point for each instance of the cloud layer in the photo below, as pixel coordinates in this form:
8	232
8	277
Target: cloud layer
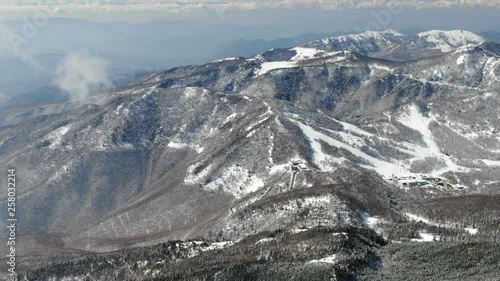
80	74
186	5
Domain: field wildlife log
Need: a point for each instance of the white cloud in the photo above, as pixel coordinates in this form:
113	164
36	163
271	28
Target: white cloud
185	5
80	74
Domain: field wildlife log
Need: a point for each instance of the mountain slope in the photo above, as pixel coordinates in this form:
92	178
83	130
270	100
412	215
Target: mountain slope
289	139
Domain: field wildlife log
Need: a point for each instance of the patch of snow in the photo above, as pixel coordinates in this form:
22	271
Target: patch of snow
118	109
226	59
490	69
413	119
264	240
191	178
426	237
199	149
301	55
323	161
237	181
330	260
56	136
190	92
256	124
350	127
317	200
471	231
230	118
279	169
336	59
382	167
298	230
58	174
269	66
305	53
350	139
218	245
465	48
177	145
422	219
370	221
491	182
461	60
380	67
417	218
491	162
270	149
487	95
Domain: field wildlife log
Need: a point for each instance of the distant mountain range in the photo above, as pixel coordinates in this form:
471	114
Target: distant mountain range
145	48
326	161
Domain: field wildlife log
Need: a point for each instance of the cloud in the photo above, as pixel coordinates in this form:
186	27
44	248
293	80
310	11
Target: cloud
187	5
80	74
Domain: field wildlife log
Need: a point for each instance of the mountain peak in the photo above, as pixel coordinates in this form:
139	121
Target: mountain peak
448	40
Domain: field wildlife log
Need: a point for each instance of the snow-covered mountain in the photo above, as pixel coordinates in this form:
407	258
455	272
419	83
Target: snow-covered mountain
446	41
431	43
288	140
366	43
393	45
